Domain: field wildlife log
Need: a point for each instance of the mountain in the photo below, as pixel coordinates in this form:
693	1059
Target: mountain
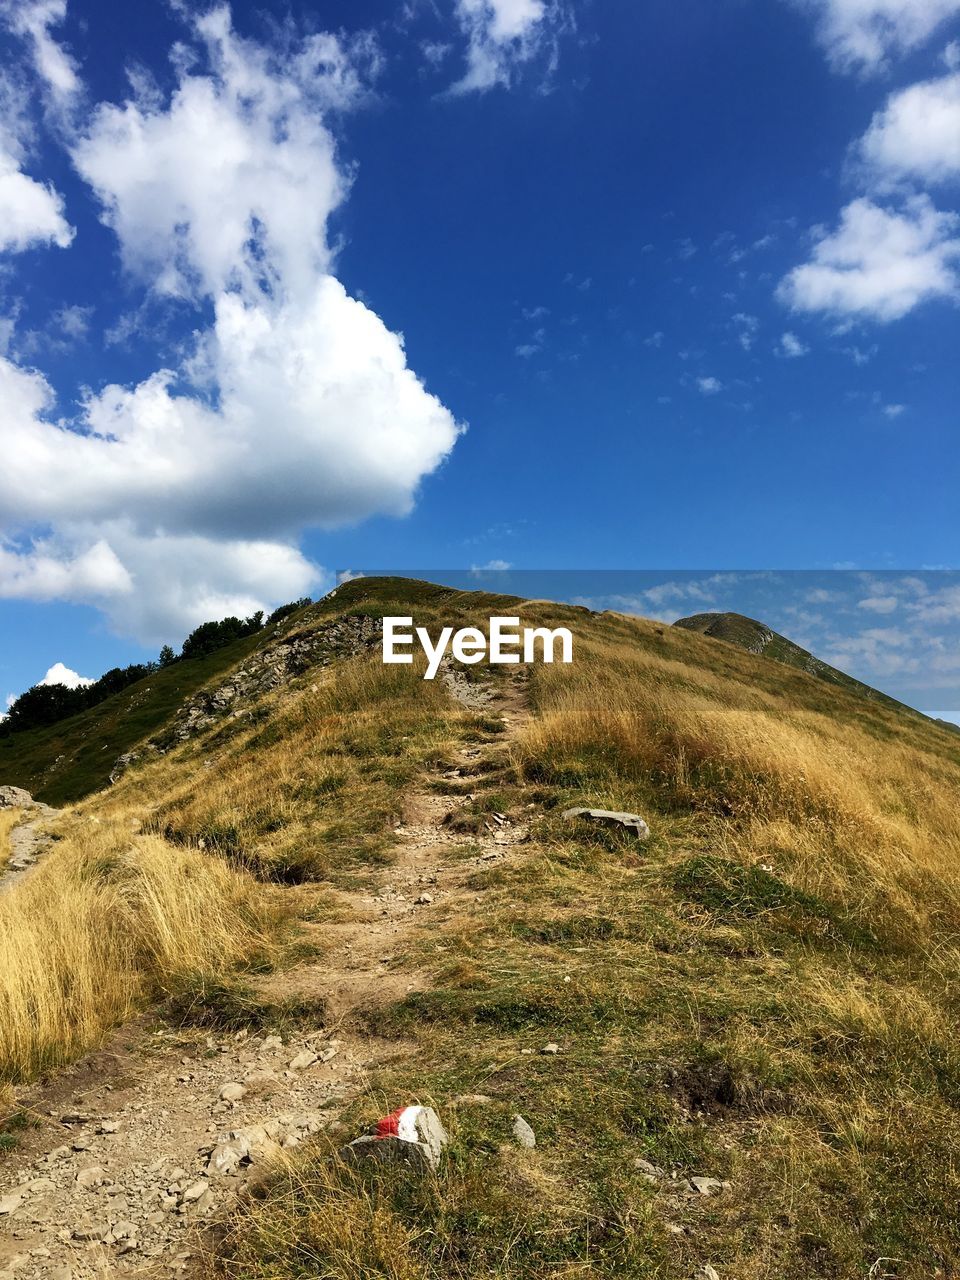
322	889
756	637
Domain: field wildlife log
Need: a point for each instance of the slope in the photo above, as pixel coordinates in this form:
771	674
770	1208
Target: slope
733	1042
756	637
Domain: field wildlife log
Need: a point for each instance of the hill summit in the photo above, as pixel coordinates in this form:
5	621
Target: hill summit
756	637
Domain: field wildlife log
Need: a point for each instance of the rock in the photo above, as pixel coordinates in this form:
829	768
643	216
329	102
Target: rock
15	798
92	1176
8	1204
707	1186
523	1133
271	1044
645	1166
550	1048
707	1272
303	1060
471	1100
424	899
631	822
260	1081
232	1092
196	1191
109	1126
91	1231
409	1135
225	1159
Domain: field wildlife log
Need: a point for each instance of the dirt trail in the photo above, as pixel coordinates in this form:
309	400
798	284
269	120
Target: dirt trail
136	1146
28	842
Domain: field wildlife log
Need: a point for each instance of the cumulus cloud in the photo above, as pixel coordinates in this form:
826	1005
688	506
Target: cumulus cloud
917	134
296	409
862	35
60	674
879	263
31	212
709	386
502	35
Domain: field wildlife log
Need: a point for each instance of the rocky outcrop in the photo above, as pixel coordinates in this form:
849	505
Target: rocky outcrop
264	670
15	798
269	668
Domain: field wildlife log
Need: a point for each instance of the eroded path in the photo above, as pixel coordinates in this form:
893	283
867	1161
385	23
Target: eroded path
27	843
135	1147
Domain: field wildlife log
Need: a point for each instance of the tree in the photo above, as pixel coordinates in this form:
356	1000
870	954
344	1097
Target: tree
167	656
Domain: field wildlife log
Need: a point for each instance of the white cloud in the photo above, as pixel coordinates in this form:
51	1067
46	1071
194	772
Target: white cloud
861	35
31	213
32	20
917	134
894	410
709	386
879	263
791	347
746	326
503	35
879	604
60	674
183	498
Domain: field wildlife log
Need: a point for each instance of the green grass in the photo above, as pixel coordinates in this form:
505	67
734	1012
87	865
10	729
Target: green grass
68	760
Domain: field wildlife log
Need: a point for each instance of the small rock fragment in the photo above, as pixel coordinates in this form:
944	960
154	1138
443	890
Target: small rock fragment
232	1092
303	1060
550	1048
707	1186
523	1133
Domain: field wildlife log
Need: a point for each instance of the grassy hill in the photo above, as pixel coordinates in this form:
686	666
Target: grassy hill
755	637
762	994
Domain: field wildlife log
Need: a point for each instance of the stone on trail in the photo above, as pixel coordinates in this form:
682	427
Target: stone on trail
707	1186
523	1133
707	1272
303	1060
232	1092
612	818
10	1203
409	1135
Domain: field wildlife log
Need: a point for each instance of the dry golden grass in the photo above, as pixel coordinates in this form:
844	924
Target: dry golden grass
314	786
862	808
8	820
106	920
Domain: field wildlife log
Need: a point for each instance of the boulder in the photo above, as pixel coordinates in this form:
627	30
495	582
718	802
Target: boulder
410	1135
631	822
15	798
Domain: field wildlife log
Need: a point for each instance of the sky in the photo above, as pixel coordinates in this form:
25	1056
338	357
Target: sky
290	289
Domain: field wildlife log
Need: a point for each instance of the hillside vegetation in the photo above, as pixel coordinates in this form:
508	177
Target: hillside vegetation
756	637
764	993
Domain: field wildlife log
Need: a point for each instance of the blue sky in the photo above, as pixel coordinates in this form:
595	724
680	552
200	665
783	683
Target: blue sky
676	285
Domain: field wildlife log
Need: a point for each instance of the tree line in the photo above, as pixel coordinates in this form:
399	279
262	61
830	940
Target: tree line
45	704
